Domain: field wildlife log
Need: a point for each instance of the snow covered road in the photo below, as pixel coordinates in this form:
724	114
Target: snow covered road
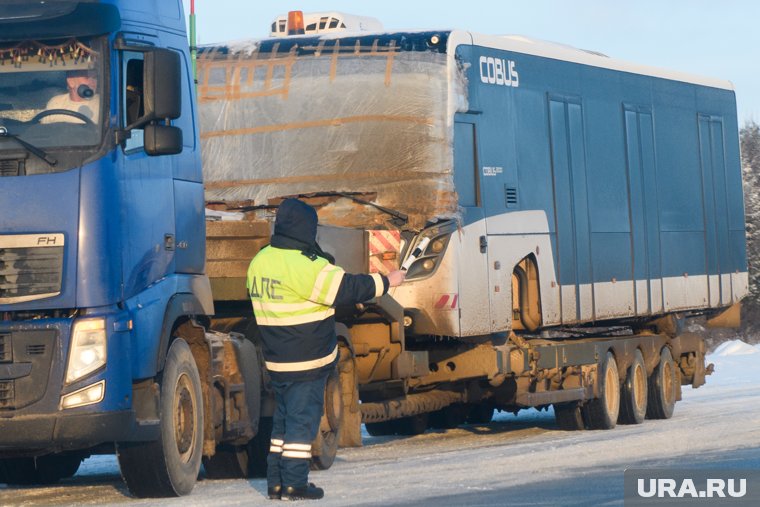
521	460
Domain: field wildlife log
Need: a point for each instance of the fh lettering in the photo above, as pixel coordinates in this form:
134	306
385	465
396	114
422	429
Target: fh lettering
497	71
266	288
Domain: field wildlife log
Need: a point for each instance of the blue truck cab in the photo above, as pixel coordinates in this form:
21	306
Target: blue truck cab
103	296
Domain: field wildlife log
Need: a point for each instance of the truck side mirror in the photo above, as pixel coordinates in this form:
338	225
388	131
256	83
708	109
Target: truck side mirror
162	79
162	140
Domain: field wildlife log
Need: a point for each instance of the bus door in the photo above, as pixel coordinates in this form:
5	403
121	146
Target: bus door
474	309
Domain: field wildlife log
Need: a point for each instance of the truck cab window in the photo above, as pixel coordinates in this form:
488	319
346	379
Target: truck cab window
133	105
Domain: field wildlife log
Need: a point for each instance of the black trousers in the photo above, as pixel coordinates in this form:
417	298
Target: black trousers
299	407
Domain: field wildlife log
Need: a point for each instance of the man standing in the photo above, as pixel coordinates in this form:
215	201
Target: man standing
293	287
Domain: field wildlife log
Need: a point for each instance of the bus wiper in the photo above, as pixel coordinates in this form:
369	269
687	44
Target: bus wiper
31	148
399	218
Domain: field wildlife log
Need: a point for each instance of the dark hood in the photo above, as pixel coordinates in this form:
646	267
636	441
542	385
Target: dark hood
295	228
297	221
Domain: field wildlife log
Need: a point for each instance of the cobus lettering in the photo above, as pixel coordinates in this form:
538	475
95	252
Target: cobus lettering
498	71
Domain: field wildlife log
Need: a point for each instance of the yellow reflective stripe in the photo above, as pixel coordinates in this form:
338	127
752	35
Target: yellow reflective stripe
275	448
303	365
280	308
266	320
379	285
327	284
276	441
297	447
296	454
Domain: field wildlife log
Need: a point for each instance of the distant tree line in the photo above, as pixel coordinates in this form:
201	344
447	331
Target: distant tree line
750	149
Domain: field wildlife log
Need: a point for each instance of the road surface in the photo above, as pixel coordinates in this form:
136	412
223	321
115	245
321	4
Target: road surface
523	460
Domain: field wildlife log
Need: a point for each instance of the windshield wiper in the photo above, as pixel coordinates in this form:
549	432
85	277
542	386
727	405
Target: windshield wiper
399	218
30	147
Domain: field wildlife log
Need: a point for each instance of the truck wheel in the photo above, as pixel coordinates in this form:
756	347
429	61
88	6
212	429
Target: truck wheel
662	388
602	412
228	462
569	416
325	446
448	417
258	448
412	425
633	392
481	413
380	429
169	466
43	470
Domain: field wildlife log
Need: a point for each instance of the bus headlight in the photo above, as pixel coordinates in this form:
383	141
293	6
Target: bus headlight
88	348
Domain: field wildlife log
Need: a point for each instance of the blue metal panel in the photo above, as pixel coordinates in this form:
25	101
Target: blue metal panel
190	254
47	203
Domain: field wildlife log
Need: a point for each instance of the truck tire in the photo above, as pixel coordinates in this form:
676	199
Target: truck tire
325	446
602	413
662	388
169	466
380	429
228	462
569	416
448	417
412	425
481	413
633	392
43	470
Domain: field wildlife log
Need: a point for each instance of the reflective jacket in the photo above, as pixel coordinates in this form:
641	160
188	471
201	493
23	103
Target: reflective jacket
293	295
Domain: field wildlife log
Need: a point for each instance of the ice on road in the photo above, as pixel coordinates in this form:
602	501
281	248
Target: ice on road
519	460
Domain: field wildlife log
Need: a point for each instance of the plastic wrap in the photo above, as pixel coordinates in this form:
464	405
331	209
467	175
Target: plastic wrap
366	120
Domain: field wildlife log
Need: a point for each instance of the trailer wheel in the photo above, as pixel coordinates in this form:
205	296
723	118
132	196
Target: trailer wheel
602	412
481	413
380	429
169	466
412	425
228	462
569	416
448	417
325	446
662	388
633	392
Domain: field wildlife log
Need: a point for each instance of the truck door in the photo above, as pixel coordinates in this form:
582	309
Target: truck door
573	253
474	310
712	158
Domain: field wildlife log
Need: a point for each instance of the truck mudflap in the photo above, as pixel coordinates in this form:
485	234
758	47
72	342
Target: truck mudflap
42	434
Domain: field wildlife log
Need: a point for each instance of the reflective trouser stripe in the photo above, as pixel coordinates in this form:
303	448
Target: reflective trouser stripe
296	454
276	445
304	365
297	447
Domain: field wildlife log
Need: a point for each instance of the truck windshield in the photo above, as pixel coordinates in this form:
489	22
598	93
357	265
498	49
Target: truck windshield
361	118
50	93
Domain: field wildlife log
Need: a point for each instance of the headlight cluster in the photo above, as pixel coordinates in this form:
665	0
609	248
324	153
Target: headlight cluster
429	260
88	348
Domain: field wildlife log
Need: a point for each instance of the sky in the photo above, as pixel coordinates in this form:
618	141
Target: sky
714	38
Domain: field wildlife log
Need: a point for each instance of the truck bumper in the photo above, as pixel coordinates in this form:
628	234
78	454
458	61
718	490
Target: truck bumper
39	434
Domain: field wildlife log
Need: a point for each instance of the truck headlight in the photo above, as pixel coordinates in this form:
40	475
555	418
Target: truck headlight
88	348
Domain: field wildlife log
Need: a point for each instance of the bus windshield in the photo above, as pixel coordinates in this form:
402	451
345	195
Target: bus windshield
51	93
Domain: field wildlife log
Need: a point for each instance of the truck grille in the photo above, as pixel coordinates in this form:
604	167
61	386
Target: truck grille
26	369
31	267
7	395
6	355
11	167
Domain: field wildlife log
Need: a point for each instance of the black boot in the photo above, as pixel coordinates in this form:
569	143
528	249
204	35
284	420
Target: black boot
274	492
308	492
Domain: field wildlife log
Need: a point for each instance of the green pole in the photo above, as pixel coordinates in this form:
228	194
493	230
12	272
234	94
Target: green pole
193	43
